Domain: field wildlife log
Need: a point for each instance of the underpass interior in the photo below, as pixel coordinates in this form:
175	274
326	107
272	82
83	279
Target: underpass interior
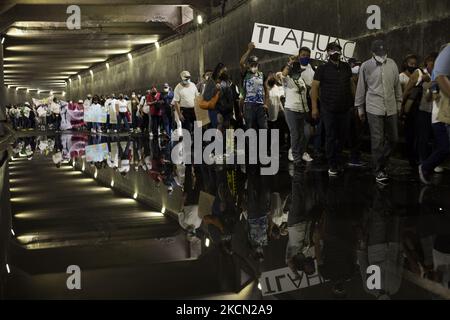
138	225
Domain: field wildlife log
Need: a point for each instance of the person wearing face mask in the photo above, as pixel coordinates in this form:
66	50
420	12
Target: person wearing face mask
296	107
166	108
122	109
185	94
155	111
134	110
333	79
409	112
312	128
253	92
379	95
144	111
409	65
206	76
96	108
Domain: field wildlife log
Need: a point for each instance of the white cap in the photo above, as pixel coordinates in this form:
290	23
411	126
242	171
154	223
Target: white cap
185	75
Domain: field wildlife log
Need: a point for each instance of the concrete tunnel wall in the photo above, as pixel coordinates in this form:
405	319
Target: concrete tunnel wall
407	26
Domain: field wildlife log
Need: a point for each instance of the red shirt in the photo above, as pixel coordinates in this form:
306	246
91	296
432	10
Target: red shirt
155	110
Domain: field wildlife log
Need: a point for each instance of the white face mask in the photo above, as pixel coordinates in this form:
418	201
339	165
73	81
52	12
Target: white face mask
355	70
381	59
187	81
166	89
254	69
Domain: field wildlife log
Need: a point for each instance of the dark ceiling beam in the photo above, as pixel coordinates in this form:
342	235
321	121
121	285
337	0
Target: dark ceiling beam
91	15
201	5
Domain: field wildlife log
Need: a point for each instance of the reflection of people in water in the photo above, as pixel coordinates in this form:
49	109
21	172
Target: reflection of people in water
305	209
381	245
124	158
258	209
336	240
427	240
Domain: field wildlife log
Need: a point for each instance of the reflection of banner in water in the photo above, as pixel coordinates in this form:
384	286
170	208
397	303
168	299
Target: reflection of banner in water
73	145
283	280
95	115
289	41
75	114
97	152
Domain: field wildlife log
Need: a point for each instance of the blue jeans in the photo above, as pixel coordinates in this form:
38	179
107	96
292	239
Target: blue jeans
296	124
255	116
122	116
442	148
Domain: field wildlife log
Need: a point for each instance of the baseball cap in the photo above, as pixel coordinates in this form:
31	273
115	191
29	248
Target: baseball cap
166	85
253	60
334	46
185	75
378	48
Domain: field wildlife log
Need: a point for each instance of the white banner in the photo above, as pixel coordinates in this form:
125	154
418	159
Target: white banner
97	152
289	41
283	280
94	114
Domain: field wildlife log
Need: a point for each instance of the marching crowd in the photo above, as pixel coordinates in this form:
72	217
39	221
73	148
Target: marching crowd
318	108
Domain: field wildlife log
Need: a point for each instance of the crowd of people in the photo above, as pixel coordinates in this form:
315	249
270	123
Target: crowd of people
318	110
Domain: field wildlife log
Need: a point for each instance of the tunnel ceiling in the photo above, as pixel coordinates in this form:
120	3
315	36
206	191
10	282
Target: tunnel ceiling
40	52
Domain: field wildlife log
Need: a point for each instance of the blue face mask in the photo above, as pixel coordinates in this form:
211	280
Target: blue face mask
304	61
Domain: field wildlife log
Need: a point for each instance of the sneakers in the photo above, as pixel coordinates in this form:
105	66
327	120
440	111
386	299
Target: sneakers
438	169
99	131
93	130
115	130
290	156
356	163
307	158
382	177
423	176
333	172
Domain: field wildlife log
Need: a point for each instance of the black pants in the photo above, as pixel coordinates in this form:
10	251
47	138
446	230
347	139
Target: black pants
424	134
355	138
411	137
189	119
336	132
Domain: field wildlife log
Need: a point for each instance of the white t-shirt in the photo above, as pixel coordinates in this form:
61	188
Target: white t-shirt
55	108
122	105
185	96
275	95
110	105
295	98
41	111
26	112
308	75
404	79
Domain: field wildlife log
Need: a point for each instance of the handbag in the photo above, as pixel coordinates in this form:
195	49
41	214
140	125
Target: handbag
208	104
415	96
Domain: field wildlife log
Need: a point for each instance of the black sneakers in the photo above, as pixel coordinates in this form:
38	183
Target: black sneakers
382	177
